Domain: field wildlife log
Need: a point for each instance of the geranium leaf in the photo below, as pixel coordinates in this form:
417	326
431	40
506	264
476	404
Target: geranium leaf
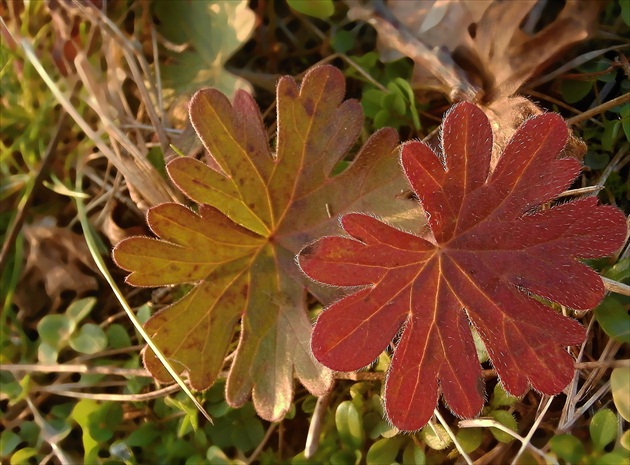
491	245
257	209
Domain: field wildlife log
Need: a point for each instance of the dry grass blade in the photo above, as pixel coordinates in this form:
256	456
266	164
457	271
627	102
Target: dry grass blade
146	179
599	109
134	319
74	368
144	397
532	430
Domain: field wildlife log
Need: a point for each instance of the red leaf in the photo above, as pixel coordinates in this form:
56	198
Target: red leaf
492	247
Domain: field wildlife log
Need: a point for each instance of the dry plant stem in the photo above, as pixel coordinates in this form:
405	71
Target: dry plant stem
315	427
138	169
577	61
582	190
51	439
113	397
587	405
615	164
449	431
361	376
108	353
26	202
569	413
130	53
617	287
603	364
158	73
490	423
597	374
533	429
259	448
560	103
66	368
599	109
569	406
456	85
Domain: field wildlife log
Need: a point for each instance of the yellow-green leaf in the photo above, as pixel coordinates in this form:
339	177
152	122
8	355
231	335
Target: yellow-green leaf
256	210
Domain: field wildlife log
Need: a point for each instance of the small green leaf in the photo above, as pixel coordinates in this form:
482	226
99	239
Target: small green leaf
612	316
342	41
144	313
22	456
625	118
500	398
46	353
567	447
625	11
30	432
596	160
610	135
349	425
406	89
375	425
620	271
156	158
395	101
145	435
384	451
117	336
371	102
55	330
620	387
603	428
308	406
104	420
469	438
82	412
435	437
16	390
383	119
345	457
216	456
249	432
575	90
616	457
482	352
624	441
505	418
317	8
79	309
414	455
90	339
8	442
